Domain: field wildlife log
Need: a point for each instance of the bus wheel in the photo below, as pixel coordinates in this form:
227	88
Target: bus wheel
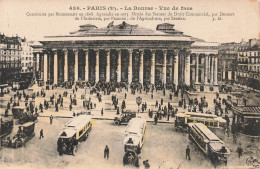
18	144
85	137
60	153
190	137
117	123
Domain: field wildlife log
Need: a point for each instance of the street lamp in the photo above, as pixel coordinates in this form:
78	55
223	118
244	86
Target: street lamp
138	101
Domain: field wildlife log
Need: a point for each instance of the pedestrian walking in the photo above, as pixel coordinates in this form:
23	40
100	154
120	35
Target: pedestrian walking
155	119
117	111
239	151
36	110
234	138
188	152
102	112
70	107
51	119
106	152
41	134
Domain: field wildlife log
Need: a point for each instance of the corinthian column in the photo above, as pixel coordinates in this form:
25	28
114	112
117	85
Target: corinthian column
76	66
119	66
141	68
176	68
86	65
55	66
45	68
197	68
153	67
206	69
65	65
37	61
212	70
216	71
164	66
130	66
187	68
108	65
97	65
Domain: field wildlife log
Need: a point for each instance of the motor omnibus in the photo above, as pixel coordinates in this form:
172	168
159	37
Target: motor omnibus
209	143
183	119
133	141
77	129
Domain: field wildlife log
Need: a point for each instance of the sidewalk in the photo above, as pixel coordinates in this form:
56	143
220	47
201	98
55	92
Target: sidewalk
96	114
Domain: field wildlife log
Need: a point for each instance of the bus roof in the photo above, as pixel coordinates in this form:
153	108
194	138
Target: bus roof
135	126
196	114
78	122
68	132
204	131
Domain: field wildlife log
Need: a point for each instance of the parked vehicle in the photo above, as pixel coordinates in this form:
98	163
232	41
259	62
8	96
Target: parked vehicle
125	117
25	133
77	129
18	111
27	117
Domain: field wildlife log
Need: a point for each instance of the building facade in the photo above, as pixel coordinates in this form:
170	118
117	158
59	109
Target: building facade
248	67
26	60
128	53
228	53
10	59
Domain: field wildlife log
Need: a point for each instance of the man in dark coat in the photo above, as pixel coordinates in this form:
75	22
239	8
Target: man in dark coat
51	119
41	133
102	112
155	119
239	151
188	152
106	152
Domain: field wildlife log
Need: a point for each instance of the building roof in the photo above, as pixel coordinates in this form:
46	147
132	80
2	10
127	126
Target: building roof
15	40
125	29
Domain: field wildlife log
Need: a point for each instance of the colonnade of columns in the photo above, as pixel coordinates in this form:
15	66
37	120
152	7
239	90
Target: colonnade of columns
209	66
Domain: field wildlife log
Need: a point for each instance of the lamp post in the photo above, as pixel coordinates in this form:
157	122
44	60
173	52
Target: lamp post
138	101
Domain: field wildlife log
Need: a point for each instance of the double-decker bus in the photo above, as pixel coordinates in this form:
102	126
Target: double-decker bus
134	139
77	129
208	142
210	120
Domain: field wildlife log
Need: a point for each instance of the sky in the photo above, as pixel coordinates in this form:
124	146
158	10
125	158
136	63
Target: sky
245	24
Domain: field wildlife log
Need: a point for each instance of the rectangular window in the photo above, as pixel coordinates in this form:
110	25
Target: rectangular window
80	132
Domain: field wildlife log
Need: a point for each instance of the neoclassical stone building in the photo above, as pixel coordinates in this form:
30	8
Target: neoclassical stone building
128	53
